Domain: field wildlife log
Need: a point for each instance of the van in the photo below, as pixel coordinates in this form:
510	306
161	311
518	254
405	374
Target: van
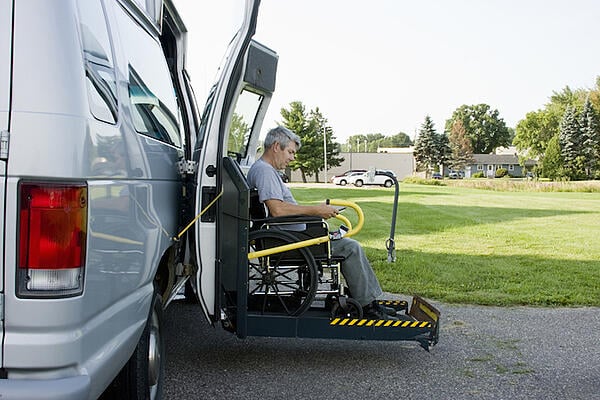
105	161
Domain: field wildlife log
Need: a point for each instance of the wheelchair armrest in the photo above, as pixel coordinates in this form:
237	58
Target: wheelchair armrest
292	219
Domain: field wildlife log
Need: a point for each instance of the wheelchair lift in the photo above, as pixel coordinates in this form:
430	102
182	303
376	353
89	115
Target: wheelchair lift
273	283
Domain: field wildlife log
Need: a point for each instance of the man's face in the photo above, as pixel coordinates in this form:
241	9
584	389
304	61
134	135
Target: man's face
283	157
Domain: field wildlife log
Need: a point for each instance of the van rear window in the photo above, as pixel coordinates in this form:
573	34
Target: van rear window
99	67
154	107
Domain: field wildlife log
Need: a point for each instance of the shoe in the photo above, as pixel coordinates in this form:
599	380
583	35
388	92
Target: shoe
388	310
374	310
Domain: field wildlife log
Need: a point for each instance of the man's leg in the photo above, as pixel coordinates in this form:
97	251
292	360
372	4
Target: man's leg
357	270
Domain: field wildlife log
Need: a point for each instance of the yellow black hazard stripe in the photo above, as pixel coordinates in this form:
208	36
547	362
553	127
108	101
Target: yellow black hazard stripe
428	311
379	323
393	303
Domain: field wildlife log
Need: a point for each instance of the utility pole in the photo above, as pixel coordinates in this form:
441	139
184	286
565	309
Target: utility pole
325	151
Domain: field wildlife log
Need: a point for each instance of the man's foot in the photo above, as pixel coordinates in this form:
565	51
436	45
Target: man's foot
388	310
374	310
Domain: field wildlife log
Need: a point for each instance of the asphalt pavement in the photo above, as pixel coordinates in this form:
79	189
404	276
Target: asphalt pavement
483	353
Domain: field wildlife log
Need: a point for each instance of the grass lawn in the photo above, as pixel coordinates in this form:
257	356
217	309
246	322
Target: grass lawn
468	245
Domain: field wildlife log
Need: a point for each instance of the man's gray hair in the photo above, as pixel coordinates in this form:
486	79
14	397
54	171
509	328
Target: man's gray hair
281	135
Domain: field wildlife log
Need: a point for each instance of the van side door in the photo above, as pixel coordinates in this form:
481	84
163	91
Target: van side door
241	95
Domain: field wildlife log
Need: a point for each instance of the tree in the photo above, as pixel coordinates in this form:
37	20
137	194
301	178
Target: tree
535	131
427	150
553	162
325	134
371	142
590	138
444	152
310	128
401	139
357	143
483	127
296	119
398	140
460	145
570	144
238	134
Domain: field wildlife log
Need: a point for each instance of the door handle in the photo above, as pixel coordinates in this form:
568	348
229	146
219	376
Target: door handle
211	170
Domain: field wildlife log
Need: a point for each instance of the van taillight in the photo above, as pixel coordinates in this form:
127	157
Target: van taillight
52	238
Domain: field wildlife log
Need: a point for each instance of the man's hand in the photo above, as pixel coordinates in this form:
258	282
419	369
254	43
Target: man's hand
326	211
278	208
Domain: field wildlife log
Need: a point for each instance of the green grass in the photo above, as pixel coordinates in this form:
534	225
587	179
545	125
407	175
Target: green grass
468	245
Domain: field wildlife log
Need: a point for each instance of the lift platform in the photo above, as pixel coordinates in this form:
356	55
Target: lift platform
417	321
416	325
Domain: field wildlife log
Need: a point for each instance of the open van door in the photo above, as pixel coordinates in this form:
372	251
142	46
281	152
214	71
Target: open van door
229	128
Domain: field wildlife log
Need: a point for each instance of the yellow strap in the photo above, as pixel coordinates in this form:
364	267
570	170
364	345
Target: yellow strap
288	247
209	205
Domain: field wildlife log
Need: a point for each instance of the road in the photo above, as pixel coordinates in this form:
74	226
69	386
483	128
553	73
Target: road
483	353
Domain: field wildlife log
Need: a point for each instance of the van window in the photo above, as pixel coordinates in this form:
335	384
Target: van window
152	9
242	122
151	92
150	116
98	61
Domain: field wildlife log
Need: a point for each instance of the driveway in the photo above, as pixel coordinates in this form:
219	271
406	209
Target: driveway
483	353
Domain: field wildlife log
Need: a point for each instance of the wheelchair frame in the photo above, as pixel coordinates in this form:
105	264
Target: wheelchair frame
330	287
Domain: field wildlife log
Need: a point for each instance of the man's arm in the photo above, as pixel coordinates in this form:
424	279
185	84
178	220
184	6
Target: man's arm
279	208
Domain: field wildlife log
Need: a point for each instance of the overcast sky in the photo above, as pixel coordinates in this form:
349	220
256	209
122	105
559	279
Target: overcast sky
381	66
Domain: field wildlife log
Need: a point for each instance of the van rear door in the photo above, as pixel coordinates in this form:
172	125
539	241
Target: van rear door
5	74
230	126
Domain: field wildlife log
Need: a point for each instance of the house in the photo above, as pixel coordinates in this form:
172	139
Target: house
489	163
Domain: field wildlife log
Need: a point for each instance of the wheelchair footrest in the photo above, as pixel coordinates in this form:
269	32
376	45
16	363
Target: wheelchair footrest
398	305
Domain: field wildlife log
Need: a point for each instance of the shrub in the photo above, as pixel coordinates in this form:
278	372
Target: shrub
501	172
479	174
421	181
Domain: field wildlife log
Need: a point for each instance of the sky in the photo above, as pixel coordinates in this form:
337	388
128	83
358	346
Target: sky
382	66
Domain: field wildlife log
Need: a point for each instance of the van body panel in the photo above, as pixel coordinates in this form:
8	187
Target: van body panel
5	73
54	49
133	185
5	67
75	388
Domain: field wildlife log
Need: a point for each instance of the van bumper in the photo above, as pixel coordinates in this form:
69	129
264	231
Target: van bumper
75	388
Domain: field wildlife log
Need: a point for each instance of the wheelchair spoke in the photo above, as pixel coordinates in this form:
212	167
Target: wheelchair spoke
287	311
283	282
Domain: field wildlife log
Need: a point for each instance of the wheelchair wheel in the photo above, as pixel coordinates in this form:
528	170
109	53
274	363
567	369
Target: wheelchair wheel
284	282
346	308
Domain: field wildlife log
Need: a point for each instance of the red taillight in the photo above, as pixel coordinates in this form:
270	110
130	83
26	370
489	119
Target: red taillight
52	234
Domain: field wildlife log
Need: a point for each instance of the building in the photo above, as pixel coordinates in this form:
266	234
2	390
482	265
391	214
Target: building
402	163
489	163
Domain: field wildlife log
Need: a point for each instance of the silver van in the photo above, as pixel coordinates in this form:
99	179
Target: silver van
100	142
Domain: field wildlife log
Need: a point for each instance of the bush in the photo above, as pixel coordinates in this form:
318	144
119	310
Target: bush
421	181
501	172
479	174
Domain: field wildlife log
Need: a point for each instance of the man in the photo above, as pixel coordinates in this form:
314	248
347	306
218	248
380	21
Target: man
280	148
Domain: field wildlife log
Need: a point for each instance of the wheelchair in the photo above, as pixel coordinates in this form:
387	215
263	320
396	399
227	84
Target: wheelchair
291	268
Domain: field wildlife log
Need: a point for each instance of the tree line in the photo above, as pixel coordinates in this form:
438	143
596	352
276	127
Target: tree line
564	137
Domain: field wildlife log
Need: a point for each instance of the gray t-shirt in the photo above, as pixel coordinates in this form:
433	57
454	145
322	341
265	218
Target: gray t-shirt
270	186
268	182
